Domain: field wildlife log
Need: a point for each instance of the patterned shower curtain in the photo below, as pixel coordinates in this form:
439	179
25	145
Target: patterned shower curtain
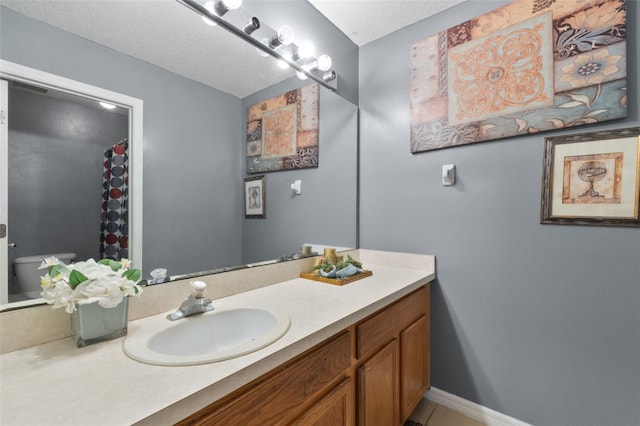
114	229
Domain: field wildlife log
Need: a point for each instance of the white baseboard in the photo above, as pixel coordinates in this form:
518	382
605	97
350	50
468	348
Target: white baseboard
471	409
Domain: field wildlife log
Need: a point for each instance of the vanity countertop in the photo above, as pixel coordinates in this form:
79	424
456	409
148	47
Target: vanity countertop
57	383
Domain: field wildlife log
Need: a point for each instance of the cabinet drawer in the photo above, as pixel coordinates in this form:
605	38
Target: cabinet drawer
268	400
385	325
334	409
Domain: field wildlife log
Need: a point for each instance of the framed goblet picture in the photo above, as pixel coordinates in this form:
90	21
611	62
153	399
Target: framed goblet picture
255	197
592	178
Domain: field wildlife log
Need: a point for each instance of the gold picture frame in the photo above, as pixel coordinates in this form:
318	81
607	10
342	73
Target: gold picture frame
592	179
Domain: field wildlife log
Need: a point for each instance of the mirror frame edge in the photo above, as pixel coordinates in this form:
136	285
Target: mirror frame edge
13	71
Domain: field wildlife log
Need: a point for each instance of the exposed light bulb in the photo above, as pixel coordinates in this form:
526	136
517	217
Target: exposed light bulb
324	62
305	50
285	35
232	4
283	38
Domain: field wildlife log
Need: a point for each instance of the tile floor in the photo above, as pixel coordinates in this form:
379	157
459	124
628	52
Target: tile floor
428	413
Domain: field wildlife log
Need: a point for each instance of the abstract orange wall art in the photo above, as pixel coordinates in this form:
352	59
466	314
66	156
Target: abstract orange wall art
530	66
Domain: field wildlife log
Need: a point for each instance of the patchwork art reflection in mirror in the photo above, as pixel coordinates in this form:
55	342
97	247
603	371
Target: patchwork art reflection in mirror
282	132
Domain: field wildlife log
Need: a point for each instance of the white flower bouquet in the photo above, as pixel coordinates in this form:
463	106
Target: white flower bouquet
106	282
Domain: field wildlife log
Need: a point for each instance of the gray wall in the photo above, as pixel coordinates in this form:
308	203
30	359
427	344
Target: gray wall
192	221
541	322
325	212
56	151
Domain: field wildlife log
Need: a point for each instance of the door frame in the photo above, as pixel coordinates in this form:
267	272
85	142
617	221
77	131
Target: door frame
4	176
21	73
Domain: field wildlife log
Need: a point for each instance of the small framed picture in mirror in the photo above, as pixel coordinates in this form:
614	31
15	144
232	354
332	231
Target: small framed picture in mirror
255	197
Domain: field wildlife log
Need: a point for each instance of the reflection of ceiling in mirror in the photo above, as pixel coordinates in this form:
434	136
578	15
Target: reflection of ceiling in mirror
164	33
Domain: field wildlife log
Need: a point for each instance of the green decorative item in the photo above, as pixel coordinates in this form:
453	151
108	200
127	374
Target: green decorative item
342	269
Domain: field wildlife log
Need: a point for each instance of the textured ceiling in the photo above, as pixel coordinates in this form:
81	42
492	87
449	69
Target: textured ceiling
364	21
169	35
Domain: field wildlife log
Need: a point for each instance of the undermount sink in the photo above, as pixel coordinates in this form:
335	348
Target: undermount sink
213	336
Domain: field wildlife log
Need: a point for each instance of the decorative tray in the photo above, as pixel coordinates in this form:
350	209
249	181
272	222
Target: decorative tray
336	281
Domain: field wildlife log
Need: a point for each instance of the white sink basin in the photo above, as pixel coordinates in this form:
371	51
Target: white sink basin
204	338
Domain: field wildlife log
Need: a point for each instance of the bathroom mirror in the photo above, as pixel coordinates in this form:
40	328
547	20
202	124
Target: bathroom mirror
70	151
194	155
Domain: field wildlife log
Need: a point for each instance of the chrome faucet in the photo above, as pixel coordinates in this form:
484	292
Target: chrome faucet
196	303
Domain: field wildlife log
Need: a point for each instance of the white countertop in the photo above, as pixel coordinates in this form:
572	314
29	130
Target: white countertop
59	384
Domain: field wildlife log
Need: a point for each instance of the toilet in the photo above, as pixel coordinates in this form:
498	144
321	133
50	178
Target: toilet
28	275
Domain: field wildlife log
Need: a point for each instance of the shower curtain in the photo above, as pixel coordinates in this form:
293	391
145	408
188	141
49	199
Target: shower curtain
114	229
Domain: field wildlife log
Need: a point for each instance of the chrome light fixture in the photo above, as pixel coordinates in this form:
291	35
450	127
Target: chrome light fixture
261	50
223	6
280	46
252	25
284	37
210	6
329	75
220	7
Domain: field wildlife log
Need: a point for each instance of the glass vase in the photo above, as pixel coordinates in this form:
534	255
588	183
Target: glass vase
92	323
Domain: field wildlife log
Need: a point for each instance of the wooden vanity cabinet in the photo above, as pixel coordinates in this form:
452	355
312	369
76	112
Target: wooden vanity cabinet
373	373
393	360
271	398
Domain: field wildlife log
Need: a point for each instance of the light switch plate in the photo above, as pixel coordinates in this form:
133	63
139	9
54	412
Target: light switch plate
448	174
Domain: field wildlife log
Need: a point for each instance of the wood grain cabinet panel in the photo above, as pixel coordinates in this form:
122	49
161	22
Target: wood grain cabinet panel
378	388
414	365
334	409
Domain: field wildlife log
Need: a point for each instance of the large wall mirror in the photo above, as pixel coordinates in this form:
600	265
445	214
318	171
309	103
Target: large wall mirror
191	188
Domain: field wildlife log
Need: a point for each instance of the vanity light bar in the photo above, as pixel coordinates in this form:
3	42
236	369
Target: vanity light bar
198	8
252	25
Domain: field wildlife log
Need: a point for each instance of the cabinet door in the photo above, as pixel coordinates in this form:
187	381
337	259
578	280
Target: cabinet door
334	409
414	364
378	388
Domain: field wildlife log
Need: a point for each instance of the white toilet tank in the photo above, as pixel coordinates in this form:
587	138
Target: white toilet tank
28	275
